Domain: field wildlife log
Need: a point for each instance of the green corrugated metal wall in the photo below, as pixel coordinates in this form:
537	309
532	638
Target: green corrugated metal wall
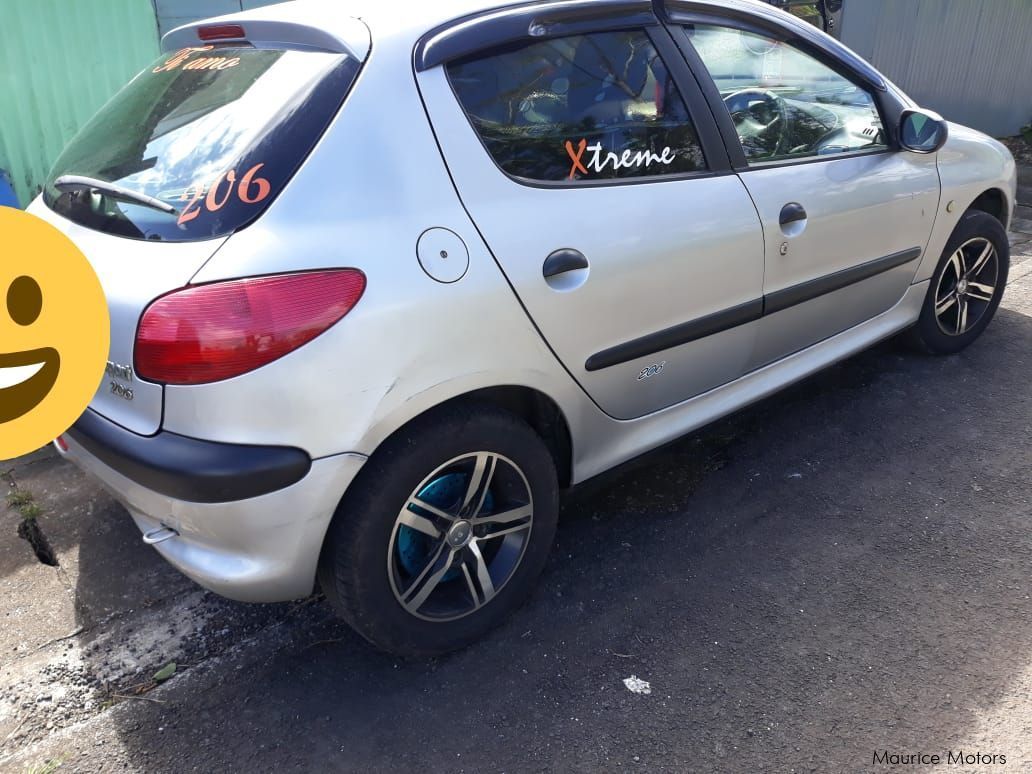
172	13
60	60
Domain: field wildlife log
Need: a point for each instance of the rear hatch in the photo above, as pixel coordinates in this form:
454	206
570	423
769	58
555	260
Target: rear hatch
193	149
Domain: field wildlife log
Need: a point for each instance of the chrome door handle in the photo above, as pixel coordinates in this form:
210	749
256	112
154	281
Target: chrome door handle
562	261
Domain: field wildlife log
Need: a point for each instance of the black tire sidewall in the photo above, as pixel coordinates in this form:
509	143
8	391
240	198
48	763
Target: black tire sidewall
973	225
354	566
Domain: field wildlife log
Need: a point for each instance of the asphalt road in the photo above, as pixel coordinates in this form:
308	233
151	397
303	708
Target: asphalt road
843	569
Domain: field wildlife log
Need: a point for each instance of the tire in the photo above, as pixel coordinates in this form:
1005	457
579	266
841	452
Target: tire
941	330
380	554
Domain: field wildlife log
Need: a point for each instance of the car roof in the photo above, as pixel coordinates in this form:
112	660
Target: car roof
352	26
421	16
432	13
384	19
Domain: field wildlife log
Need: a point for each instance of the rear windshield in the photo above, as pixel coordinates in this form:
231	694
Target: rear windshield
208	136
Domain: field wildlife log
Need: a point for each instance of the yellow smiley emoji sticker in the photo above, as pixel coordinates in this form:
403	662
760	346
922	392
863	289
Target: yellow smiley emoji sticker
54	333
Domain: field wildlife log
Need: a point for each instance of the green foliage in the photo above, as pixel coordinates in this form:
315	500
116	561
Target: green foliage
165	673
18	498
807	12
25	503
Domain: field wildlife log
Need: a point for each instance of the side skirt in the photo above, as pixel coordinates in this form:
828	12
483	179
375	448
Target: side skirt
607	442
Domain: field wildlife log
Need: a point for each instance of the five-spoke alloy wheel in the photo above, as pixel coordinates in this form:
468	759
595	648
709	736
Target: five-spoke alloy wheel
444	532
460	536
966	287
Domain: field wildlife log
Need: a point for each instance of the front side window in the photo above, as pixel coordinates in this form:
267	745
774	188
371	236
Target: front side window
785	104
199	143
588	107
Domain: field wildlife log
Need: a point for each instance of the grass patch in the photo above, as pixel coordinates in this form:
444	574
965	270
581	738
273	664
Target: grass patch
19	499
46	767
25	503
30	511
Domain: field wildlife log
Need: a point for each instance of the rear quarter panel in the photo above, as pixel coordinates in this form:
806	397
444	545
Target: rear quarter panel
371	187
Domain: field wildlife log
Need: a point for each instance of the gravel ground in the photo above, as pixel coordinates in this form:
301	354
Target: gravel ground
841	570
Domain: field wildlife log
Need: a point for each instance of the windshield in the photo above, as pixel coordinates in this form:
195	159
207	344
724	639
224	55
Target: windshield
214	133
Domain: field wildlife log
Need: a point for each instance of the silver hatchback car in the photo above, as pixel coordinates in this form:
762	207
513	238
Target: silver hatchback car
384	279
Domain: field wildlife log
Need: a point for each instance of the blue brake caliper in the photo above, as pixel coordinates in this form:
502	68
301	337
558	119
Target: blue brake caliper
415	548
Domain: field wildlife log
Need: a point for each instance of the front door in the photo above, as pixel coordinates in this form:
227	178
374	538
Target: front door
845	217
635	251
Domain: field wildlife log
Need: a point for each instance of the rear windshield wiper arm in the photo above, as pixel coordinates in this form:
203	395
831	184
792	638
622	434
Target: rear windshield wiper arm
80	183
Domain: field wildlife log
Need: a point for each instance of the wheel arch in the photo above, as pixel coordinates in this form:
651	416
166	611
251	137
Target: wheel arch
992	201
539	411
535	407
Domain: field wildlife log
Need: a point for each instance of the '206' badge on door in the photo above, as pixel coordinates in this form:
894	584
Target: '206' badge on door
652	370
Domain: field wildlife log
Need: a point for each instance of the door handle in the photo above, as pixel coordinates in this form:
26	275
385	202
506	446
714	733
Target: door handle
792	212
562	261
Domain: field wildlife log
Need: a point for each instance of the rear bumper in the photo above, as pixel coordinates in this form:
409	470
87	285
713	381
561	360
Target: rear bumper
189	468
258	548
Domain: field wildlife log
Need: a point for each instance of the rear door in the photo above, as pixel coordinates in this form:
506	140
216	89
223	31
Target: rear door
193	149
845	215
601	186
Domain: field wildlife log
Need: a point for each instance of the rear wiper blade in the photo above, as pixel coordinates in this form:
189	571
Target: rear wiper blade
80	183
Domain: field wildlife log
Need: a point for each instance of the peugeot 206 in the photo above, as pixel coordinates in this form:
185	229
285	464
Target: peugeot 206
385	278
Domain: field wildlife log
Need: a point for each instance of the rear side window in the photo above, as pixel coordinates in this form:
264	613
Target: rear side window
589	107
208	136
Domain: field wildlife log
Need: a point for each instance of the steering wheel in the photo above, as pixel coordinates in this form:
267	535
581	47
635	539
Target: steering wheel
759	121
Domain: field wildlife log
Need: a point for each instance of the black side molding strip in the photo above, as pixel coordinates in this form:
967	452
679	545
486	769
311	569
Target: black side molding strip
807	291
187	468
748	312
535	21
751	311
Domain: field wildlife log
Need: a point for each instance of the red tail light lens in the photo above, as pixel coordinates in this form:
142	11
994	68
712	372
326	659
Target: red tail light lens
212	332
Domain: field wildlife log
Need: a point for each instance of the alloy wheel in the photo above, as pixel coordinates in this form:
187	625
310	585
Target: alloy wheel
967	286
460	536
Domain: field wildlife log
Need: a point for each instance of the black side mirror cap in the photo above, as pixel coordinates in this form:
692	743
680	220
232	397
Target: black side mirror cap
922	131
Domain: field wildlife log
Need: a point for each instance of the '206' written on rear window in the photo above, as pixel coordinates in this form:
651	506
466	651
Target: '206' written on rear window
588	107
207	135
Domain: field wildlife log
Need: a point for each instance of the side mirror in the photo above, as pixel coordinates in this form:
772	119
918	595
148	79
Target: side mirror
922	131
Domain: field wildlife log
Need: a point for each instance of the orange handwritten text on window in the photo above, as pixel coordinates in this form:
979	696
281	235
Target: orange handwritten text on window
250	189
182	59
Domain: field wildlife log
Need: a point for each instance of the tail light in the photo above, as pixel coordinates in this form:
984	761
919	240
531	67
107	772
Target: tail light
221	32
212	332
